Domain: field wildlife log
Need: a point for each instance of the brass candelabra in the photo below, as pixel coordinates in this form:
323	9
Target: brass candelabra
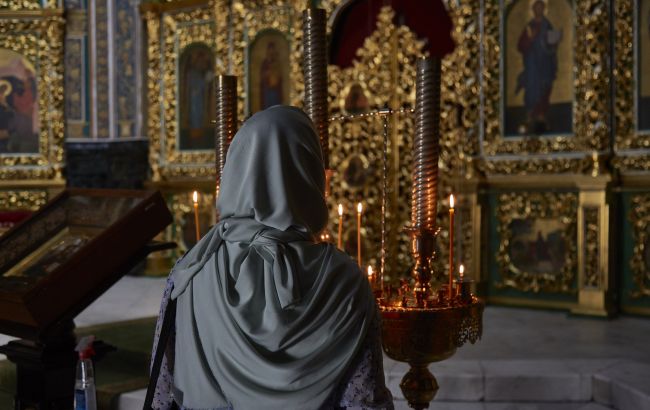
420	326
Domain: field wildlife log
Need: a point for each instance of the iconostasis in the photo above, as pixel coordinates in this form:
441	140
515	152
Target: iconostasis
545	123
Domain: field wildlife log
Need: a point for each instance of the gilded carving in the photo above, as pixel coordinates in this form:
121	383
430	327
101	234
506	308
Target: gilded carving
385	68
591	101
170	28
24	4
535	165
524	212
640	262
252	17
627	136
30	200
632	163
38	37
592	274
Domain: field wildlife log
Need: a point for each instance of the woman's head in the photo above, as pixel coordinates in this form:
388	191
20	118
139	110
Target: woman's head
274	172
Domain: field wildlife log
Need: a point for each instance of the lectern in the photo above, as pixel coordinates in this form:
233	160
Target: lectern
57	262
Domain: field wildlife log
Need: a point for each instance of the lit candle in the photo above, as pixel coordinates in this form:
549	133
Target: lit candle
464	290
340	237
451	246
359	210
195	198
370	276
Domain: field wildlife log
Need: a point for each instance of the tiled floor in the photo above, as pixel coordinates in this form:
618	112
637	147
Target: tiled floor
534	357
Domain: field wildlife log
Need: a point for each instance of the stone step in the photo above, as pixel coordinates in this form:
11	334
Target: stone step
518	385
618	384
134	400
438	405
621	384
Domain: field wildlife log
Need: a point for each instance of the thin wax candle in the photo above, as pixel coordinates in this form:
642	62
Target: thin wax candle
195	199
359	211
451	246
340	236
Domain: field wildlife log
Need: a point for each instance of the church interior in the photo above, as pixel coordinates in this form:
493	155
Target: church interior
487	163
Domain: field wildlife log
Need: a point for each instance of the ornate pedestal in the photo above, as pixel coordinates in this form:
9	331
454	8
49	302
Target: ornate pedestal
420	336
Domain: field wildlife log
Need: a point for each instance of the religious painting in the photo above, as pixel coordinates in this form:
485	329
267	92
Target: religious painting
643	65
356	172
537	246
268	71
19	120
355	100
538	68
196	92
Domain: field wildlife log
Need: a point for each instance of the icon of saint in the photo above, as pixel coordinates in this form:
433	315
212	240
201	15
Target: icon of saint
538	45
271	78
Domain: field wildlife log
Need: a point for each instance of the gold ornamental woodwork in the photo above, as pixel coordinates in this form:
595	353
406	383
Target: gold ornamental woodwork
376	71
27	199
38	36
592	277
537	205
590	104
627	136
172	26
640	219
249	18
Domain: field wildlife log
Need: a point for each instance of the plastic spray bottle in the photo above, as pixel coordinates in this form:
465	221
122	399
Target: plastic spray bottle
85	397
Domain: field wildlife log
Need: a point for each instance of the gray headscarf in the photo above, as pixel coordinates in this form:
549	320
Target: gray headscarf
266	317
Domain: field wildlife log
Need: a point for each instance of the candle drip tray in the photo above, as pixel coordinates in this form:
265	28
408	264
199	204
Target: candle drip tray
420	336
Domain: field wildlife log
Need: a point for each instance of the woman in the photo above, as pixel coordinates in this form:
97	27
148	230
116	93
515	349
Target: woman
266	317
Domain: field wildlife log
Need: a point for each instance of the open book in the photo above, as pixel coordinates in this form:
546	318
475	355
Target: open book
553	37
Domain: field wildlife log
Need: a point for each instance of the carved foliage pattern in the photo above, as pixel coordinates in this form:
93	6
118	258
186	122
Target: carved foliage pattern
537	205
40	40
640	219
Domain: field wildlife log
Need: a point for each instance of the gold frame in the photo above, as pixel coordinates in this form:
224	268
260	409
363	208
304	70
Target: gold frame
249	18
25	5
628	139
524	205
591	98
38	35
23	199
171	26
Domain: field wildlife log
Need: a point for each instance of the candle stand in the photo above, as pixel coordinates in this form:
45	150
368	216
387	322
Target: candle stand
420	336
420	325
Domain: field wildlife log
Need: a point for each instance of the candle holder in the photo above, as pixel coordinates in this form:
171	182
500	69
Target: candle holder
464	290
422	326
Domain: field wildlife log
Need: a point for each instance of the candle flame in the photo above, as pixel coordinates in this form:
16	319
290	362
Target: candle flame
461	270
195	197
369	271
451	201
340	209
359	207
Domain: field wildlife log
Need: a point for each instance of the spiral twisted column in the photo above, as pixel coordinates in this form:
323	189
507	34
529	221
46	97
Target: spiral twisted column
426	145
426	149
314	67
226	125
